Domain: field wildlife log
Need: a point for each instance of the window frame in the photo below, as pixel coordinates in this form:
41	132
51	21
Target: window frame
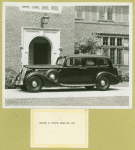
114	50
84	62
106	41
101	11
108	13
64	59
28	7
78	10
112	38
119	49
73	65
116	42
109	10
80	13
103	65
119	43
126	42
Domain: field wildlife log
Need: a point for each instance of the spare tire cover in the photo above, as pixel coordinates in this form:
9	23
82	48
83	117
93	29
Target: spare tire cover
53	75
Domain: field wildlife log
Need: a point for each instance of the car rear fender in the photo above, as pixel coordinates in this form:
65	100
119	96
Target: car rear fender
113	78
46	81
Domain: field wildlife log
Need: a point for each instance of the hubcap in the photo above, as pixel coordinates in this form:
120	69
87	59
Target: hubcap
34	83
102	82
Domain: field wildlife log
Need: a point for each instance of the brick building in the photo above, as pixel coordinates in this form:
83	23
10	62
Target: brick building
111	23
28	41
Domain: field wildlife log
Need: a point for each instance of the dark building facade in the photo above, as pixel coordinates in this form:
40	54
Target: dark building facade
27	42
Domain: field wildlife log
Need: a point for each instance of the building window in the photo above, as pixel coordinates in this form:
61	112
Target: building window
78	10
119	41
102	13
105	41
126	42
125	13
112	47
112	55
35	7
40	8
105	13
105	52
109	12
112	41
94	13
126	57
79	14
109	15
119	56
44	8
25	7
55	8
87	8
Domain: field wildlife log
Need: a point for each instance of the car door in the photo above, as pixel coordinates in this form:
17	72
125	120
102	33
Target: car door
72	71
89	70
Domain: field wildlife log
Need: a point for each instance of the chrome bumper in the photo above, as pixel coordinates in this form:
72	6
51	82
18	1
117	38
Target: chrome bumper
19	83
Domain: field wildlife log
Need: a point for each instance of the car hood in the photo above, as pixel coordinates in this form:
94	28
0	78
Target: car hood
42	66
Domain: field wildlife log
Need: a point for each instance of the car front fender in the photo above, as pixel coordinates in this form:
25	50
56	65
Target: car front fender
113	78
46	81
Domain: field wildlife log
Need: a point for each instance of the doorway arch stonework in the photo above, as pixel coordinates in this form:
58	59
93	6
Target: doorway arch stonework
28	34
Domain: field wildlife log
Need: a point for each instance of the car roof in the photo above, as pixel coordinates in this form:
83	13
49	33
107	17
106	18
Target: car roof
87	56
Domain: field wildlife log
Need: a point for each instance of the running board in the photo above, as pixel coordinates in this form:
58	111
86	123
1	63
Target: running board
77	84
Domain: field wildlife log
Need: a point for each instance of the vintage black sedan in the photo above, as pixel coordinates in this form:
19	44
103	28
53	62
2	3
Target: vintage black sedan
70	71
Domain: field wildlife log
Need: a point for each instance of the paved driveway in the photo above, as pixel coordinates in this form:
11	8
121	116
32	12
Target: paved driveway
115	96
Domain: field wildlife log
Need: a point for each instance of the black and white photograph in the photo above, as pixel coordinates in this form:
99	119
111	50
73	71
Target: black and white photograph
67	55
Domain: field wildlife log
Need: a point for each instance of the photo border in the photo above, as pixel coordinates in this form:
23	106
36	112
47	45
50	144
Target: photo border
71	4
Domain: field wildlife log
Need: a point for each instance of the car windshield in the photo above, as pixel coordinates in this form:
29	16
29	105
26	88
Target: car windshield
60	61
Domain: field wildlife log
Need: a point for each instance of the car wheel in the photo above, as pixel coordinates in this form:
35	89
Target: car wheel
103	83
53	75
23	88
89	87
34	84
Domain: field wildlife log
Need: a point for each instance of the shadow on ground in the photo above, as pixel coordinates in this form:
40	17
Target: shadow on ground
72	90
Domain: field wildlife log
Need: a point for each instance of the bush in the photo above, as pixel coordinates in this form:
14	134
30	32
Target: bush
125	76
10	75
87	45
124	72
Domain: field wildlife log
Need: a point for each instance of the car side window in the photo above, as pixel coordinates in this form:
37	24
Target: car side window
103	62
90	62
73	62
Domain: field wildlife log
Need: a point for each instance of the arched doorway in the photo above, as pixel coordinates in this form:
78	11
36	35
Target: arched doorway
39	51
